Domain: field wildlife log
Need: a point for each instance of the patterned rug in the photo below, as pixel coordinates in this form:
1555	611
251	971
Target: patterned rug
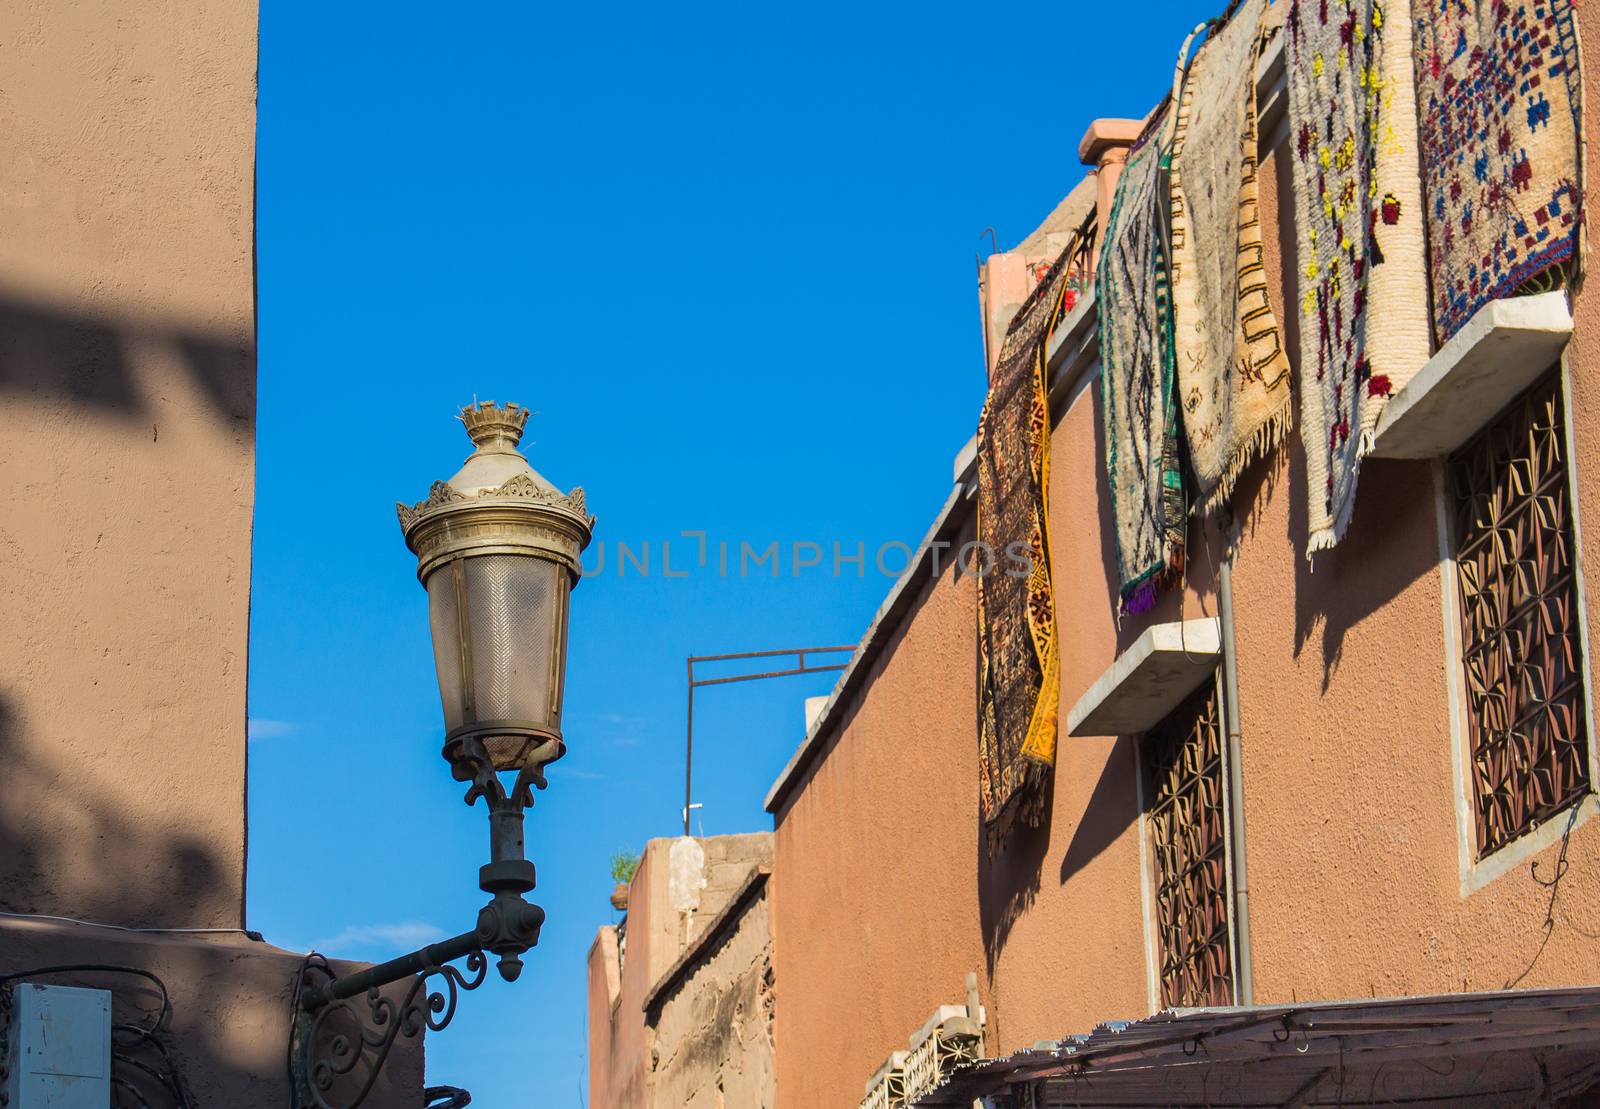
1363	282
1137	382
1233	374
1018	674
1501	91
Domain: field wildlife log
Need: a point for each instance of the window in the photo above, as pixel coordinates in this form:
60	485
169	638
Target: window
1188	827
1526	720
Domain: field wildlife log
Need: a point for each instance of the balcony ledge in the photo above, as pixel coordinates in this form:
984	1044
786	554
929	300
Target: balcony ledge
1501	351
1148	680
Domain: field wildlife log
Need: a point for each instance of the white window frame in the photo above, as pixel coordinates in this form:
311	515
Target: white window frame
1147	890
1477	873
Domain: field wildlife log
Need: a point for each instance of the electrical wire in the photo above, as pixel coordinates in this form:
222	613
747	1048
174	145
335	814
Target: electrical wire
246	932
101	968
170	1080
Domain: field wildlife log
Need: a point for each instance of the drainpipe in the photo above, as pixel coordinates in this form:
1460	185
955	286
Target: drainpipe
1236	836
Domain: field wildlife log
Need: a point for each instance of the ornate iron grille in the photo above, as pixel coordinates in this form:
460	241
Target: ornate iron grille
1189	829
1519	619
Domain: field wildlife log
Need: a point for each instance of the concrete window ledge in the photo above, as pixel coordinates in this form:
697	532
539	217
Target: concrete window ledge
1150	679
1501	351
949	1020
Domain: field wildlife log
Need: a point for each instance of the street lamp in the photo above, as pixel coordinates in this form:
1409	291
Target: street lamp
498	550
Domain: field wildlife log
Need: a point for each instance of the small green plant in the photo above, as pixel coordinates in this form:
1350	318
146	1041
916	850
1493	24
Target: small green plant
623	864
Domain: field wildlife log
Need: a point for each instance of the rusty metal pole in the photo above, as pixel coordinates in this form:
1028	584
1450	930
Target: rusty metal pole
800	668
688	755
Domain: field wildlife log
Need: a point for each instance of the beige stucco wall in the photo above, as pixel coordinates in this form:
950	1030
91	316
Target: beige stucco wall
1350	799
127	406
713	1044
624	1055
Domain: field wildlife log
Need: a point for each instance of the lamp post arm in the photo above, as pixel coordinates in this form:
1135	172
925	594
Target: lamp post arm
344	1027
342	1022
430	957
341	1037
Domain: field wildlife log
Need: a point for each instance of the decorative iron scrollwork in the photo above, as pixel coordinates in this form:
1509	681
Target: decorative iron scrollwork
339	1040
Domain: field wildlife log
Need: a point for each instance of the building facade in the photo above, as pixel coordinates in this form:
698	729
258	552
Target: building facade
1364	773
127	448
681	991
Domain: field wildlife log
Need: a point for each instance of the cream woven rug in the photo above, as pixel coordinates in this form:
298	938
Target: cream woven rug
1363	274
1233	374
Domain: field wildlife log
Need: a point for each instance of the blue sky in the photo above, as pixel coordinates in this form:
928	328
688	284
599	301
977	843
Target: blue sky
725	252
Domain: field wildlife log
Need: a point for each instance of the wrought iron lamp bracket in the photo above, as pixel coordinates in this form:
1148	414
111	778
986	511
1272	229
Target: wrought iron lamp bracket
339	1038
332	1038
472	764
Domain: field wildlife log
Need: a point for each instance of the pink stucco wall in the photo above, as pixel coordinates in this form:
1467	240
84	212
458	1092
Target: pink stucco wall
875	919
1350	799
619	1064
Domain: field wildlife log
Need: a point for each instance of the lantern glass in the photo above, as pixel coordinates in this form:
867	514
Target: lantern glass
499	625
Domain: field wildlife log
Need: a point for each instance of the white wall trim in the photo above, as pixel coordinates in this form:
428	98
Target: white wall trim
1147	898
1578	584
1229	843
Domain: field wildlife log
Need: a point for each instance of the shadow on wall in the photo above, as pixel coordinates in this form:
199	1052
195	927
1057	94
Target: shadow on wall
224	1041
1009	879
1109	813
113	868
226	1036
148	1068
1391	542
68	846
96	360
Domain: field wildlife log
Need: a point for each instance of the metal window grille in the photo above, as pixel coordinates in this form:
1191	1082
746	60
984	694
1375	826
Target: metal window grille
1188	827
1523	661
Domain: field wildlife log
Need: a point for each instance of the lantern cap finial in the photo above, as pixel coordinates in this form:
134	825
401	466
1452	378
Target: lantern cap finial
493	481
494	426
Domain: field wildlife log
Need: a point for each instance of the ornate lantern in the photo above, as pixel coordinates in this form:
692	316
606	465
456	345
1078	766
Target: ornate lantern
497	550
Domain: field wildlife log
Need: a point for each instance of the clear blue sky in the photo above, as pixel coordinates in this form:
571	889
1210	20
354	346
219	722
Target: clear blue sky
725	252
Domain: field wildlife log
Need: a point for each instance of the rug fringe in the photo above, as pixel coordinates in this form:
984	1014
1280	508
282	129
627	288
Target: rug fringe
1023	808
1581	247
1142	597
1320	541
1263	441
1328	537
1143	594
